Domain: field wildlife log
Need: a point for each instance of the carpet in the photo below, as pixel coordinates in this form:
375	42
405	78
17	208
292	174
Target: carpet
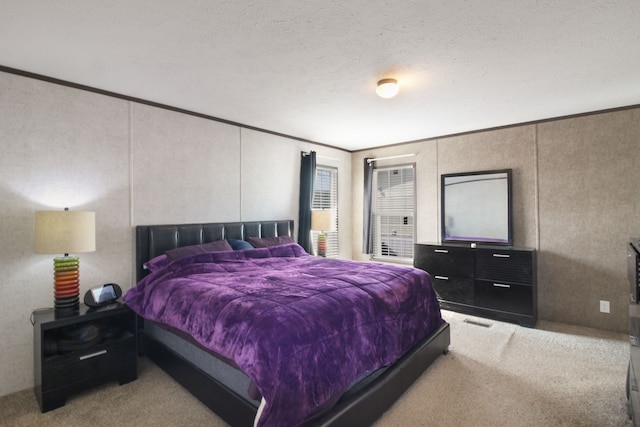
495	374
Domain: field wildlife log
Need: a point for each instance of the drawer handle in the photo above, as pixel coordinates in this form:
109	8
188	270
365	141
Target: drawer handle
97	353
442	277
441	251
501	285
502	255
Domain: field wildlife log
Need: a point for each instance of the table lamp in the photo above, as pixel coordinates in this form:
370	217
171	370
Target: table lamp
322	220
64	232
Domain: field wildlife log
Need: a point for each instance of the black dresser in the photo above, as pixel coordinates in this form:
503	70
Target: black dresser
488	281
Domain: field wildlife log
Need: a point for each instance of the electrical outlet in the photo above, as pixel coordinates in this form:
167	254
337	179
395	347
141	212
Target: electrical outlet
604	306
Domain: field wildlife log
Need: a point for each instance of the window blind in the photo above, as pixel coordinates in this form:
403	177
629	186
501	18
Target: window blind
393	213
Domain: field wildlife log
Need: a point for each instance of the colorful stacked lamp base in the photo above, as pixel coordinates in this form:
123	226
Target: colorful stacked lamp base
66	284
322	245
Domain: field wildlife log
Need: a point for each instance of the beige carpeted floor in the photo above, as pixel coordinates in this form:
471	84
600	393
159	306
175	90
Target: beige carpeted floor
495	375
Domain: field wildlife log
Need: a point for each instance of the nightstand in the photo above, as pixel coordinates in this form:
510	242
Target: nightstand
82	350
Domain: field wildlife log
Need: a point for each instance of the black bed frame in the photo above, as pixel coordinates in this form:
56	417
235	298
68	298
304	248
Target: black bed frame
359	408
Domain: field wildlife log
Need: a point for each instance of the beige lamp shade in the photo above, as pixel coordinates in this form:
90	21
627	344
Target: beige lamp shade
63	232
321	220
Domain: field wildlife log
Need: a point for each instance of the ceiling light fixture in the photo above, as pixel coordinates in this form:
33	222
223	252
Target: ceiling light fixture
387	88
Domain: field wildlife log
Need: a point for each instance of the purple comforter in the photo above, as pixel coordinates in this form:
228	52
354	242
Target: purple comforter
302	328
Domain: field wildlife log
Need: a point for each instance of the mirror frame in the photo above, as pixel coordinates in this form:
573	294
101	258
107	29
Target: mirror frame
479	240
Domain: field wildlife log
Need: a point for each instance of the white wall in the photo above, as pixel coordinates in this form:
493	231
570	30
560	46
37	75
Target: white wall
131	164
184	169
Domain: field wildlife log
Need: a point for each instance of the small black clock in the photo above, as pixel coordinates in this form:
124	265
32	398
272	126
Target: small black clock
102	295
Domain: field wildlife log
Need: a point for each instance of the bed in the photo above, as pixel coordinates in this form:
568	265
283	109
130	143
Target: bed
256	380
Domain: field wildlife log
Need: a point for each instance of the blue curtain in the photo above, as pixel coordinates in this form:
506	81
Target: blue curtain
367	238
307	182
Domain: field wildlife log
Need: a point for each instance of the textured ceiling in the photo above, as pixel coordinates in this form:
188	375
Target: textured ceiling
309	68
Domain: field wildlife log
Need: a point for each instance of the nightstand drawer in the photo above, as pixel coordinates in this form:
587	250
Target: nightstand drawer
102	359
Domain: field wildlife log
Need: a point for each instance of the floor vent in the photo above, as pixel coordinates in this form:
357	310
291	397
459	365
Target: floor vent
474	322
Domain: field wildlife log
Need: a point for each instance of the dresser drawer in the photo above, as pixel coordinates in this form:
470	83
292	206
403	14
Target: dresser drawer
453	289
504	297
445	261
504	266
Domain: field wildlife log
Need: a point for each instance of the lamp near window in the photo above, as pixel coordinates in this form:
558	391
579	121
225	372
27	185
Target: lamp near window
322	221
64	232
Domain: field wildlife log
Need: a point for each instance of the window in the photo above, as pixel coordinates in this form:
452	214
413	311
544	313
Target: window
393	213
325	196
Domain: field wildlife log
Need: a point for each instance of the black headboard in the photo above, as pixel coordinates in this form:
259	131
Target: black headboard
154	240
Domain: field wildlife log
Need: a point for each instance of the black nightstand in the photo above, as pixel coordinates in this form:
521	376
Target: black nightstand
82	350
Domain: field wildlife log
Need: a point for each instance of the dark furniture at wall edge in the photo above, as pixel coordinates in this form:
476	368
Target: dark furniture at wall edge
496	282
633	270
359	407
70	356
